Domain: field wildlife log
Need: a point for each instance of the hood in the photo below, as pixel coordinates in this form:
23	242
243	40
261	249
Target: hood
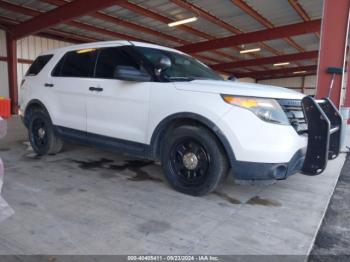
238	88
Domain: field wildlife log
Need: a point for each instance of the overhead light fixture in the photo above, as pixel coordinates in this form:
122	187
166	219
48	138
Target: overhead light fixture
299	72
184	21
281	64
250	50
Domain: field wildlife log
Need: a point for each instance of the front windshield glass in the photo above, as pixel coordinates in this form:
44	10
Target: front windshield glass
183	67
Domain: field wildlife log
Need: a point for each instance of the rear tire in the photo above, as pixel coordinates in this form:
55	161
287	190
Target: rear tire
41	134
193	160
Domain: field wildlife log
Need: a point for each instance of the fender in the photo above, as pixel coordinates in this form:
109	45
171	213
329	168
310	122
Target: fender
161	129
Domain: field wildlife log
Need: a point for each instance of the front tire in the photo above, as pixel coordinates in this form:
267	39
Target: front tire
42	136
193	160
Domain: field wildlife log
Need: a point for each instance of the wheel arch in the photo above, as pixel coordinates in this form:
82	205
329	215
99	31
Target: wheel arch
32	106
184	118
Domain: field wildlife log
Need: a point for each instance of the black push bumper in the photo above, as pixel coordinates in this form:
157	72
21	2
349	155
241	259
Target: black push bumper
324	128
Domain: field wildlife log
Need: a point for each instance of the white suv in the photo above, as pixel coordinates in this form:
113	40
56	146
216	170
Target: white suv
158	103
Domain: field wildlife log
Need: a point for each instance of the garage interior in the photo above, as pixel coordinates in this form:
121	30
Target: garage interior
90	201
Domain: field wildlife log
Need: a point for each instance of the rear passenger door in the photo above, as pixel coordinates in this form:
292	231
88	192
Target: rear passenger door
117	108
70	82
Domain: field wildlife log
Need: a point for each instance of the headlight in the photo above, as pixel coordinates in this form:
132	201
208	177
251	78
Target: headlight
266	109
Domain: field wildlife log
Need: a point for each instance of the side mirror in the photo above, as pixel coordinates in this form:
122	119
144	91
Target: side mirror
130	73
163	64
232	78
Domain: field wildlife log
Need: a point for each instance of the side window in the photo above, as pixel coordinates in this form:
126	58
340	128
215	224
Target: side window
78	63
111	57
38	65
58	68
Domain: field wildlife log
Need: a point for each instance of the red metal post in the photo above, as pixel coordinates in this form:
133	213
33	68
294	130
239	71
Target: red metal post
12	71
332	47
347	92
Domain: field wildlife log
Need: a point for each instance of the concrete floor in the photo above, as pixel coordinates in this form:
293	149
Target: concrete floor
89	201
333	239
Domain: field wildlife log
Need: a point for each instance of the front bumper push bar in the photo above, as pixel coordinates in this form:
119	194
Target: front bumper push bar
324	128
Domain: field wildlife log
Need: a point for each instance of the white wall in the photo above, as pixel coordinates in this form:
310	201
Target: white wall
247	80
294	83
27	48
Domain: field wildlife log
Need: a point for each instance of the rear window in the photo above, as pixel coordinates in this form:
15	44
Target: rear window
38	65
78	63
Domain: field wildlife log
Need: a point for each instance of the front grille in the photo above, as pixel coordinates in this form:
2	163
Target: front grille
295	114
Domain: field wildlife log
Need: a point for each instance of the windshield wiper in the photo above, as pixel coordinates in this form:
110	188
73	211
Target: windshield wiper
185	78
180	78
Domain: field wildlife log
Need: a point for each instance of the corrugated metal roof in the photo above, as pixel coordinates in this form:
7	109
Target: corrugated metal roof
151	23
309	41
313	8
175	12
280	44
229	13
13	15
278	12
37	5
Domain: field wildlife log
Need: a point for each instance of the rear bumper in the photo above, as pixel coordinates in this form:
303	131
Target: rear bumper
244	170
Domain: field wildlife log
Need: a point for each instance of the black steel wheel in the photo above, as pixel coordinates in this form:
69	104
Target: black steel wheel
190	161
41	134
193	160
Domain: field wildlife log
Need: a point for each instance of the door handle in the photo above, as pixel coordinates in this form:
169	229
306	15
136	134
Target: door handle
98	89
48	85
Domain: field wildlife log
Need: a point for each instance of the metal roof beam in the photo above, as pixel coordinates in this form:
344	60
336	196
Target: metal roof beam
102	31
262	20
59	15
311	73
148	13
54	33
301	11
67	37
282	71
215	20
122	22
37	14
267	60
253	37
197	10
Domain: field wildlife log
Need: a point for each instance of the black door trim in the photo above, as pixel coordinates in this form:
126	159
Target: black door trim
114	144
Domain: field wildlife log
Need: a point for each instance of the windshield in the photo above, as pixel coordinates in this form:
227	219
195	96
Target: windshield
183	67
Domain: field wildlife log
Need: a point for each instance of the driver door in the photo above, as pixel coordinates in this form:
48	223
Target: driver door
116	108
